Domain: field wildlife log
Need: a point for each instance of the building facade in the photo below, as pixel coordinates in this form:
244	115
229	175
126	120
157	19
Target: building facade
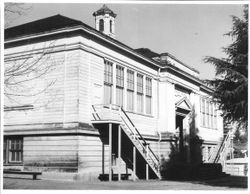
93	105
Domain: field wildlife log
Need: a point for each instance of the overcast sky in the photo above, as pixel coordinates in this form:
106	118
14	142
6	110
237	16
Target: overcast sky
189	32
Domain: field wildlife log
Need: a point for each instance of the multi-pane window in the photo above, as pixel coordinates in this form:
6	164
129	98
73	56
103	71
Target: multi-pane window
148	95
203	112
108	82
108	72
139	93
119	85
208	113
130	90
13	150
215	116
4	150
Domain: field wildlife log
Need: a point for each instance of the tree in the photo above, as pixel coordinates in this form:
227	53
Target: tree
231	82
13	11
22	73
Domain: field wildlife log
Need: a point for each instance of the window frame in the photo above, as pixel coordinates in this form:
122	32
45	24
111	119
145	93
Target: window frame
130	89
148	86
208	113
8	150
108	81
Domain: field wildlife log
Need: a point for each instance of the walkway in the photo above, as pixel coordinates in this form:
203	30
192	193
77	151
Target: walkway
232	182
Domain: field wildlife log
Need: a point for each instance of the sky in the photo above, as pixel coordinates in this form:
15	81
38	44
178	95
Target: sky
188	31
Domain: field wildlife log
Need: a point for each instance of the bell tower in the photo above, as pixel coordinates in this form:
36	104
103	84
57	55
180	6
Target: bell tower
105	21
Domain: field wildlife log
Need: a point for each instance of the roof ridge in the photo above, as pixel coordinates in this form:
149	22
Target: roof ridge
42	19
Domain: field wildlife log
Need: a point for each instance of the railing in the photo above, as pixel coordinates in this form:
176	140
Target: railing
117	113
149	151
223	148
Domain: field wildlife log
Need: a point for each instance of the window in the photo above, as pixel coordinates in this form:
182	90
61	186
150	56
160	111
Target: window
108	73
215	116
148	95
13	150
130	90
208	113
108	82
203	112
110	25
119	85
101	25
140	93
4	150
212	115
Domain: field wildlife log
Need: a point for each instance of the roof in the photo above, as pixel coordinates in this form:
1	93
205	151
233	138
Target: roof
147	52
58	22
150	54
104	10
42	25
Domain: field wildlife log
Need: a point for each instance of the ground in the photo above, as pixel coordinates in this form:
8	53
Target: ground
231	182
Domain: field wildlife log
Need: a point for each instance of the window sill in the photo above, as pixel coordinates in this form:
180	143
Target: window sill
209	128
141	114
13	164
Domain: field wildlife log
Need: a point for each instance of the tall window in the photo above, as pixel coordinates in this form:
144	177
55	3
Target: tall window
140	93
215	117
101	25
4	150
130	90
203	112
108	82
208	113
148	95
13	150
212	115
119	85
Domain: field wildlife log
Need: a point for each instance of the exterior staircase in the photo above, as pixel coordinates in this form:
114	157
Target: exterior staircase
115	114
223	150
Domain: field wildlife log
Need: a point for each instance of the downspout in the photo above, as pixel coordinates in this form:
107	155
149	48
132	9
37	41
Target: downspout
158	99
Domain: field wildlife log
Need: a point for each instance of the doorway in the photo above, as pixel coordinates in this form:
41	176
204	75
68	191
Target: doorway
179	128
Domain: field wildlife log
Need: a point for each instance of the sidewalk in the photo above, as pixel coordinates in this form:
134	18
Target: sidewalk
226	183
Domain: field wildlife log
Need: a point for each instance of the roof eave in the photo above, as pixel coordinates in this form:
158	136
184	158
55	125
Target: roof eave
93	32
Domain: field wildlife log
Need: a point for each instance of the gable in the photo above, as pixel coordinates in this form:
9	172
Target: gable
183	103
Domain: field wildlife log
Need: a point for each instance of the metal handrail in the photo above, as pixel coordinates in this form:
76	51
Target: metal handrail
135	133
144	141
221	148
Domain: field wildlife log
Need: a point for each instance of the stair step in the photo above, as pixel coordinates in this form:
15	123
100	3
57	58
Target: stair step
105	177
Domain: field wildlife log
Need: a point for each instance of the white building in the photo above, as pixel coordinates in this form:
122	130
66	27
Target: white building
102	107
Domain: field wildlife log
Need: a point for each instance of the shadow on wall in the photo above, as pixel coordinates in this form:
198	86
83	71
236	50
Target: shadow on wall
178	166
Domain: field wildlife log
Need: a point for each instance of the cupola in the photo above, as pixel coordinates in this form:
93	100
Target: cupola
105	21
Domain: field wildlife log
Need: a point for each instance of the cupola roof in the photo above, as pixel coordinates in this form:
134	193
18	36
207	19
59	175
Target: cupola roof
104	10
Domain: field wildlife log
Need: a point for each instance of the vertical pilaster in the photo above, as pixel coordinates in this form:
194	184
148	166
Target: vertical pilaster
135	93
144	94
125	89
114	84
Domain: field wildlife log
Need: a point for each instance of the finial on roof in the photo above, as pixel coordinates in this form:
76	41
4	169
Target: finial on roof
105	21
104	10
